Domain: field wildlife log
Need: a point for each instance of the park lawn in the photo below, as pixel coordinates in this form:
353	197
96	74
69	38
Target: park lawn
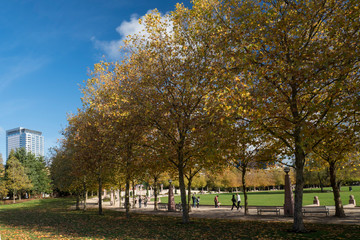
276	198
52	219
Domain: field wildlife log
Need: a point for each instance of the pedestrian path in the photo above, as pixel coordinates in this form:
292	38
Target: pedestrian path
225	212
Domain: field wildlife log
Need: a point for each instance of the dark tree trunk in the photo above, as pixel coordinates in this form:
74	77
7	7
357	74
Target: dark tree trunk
127	197
100	195
185	215
77	207
133	195
14	195
243	173
298	225
119	197
339	209
85	195
189	193
155	193
321	183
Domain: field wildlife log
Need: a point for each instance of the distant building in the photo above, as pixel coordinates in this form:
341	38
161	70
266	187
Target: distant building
31	140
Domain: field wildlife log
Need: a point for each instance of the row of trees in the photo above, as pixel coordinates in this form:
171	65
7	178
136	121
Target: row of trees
237	83
24	174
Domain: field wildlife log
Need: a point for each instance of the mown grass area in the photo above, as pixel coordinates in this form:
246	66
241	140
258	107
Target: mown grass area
276	198
52	219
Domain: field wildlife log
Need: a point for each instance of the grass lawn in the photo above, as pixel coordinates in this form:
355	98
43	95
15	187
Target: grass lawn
276	198
52	219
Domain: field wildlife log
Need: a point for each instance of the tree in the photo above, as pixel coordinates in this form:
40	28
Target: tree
334	149
245	148
3	190
16	178
297	59
36	171
120	122
170	81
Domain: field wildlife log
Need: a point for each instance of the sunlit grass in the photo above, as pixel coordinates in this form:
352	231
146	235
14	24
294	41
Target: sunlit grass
276	198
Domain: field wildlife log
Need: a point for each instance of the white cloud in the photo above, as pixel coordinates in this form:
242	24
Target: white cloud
111	49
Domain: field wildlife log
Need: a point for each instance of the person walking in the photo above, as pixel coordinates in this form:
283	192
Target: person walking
140	201
238	198
216	201
233	199
197	202
194	200
145	201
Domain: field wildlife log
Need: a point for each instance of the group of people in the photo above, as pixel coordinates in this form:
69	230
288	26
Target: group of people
195	201
142	200
236	201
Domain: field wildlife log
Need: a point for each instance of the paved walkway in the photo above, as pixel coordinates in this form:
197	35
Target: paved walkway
224	212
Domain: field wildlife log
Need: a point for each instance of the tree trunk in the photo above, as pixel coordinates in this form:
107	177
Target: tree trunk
155	194
77	207
339	209
14	195
85	195
243	173
133	195
185	215
298	225
119	197
127	197
189	193
100	195
321	183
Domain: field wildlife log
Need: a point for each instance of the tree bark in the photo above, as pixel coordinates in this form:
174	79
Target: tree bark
85	195
298	225
185	215
127	197
14	195
339	209
243	172
77	206
133	194
155	193
119	197
100	195
189	193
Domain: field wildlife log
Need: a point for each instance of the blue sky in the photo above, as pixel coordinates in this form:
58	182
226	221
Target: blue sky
46	50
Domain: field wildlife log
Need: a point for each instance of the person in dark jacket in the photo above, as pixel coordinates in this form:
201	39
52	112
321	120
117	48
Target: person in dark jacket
233	199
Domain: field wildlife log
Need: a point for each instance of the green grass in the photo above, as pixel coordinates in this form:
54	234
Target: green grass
52	219
276	198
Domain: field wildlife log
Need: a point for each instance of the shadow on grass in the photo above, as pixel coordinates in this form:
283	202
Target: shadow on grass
52	219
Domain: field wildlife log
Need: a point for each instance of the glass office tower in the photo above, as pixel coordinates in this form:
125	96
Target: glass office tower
31	140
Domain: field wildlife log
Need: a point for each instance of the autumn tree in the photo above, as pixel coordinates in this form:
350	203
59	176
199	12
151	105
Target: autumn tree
120	122
16	178
341	141
297	59
170	81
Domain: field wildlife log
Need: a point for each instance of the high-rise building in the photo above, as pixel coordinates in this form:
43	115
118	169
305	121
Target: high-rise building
31	140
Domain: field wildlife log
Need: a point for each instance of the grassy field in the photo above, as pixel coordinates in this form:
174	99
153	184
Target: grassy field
52	219
276	198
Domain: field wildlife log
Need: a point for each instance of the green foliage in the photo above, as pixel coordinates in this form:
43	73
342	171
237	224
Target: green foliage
3	189
36	170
